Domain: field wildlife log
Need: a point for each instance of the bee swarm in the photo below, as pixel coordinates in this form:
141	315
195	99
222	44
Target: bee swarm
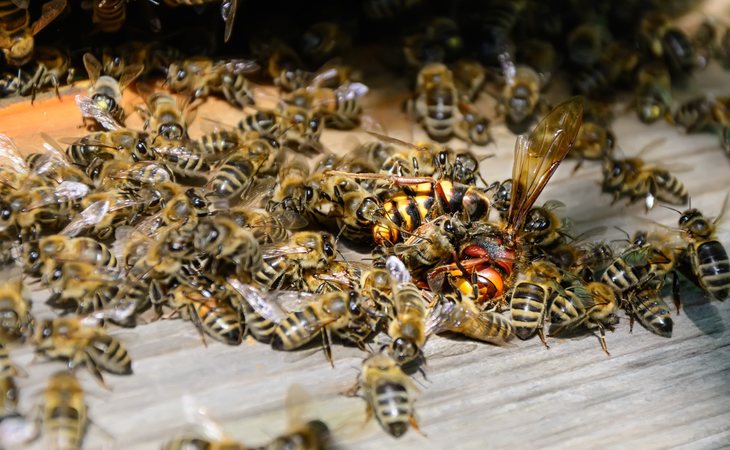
276	198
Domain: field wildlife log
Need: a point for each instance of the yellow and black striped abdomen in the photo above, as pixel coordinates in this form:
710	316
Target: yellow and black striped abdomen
652	312
528	308
109	15
392	407
622	276
220	321
259	326
297	329
109	354
712	267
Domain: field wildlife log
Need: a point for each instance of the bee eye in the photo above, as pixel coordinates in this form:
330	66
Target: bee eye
449	227
314	124
141	148
308	194
33	256
57	274
5	214
47	331
329	250
616	171
181	74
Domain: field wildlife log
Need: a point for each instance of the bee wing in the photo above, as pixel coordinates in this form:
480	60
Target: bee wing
351	91
283	250
290	220
240	66
538	155
93	67
129	74
89	108
49	12
22	4
66	190
439	317
323	76
508	68
10	156
553	204
274	306
228	12
86	218
398	270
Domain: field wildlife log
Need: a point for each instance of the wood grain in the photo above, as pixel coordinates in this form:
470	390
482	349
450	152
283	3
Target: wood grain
651	393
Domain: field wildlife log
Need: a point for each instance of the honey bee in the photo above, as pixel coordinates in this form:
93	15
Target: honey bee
343	313
223	240
104	103
203	304
323	40
103	145
653	93
434	105
637	265
708	258
236	174
284	66
266	123
15	313
490	252
530	295
165	117
470	76
646	306
585	43
521	101
64	414
16	31
340	106
431	244
109	15
593	306
407	327
457	314
544	228
52	66
228	11
9	394
103	212
637	179
501	197
79	286
388	392
595	140
284	263
582	259
201	76
80	344
663	40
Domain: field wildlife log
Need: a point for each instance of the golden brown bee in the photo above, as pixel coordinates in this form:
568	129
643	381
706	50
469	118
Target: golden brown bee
51	66
388	392
207	307
522	101
64	413
637	180
165	117
434	105
284	263
340	106
653	93
431	244
15	317
236	174
647	306
81	344
223	240
593	306
102	212
17	32
470	76
457	314
109	145
78	286
708	258
9	394
104	103
544	228
529	301
201	76
663	40
473	127
343	313
407	327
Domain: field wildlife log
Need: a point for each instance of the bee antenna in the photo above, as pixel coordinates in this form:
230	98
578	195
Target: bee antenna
628	236
340	253
675	209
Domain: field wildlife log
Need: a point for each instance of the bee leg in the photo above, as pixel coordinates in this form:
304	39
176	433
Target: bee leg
602	338
414	424
327	345
94	369
579	164
675	291
352	390
541	335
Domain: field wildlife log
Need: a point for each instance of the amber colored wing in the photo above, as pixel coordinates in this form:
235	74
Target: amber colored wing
538	155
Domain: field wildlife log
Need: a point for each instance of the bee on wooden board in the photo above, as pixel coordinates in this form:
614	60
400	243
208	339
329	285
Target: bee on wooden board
17	32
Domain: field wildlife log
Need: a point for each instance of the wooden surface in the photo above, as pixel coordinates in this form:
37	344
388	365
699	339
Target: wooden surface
651	393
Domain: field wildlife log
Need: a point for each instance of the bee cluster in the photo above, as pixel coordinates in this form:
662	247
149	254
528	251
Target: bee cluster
236	232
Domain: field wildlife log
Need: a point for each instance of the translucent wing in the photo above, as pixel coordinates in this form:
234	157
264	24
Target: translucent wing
129	74
538	155
89	108
198	417
240	66
93	67
228	12
49	12
398	270
10	156
396	141
283	250
351	91
275	305
90	216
